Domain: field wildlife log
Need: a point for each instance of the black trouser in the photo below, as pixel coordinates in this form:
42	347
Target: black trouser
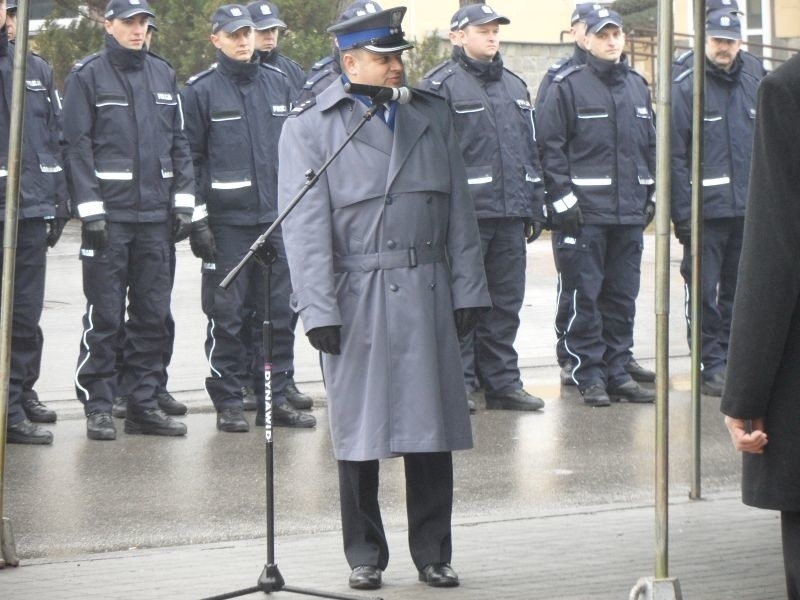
600	273
135	263
30	266
563	302
33	368
722	246
233	336
790	532
488	352
429	505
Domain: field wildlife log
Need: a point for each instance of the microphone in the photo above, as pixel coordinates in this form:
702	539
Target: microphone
380	94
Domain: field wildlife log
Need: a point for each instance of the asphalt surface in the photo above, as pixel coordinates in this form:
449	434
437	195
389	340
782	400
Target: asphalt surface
556	504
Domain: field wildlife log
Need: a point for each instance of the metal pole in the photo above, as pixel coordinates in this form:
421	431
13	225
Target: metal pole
9	256
696	319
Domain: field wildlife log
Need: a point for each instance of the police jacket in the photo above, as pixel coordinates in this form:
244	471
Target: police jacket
292	69
729	116
562	64
234	115
127	155
42	187
493	117
597	137
750	63
322	74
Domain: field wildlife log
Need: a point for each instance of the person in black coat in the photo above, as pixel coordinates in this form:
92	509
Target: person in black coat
760	397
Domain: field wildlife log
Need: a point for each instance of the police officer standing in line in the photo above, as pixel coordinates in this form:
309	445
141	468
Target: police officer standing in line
130	173
268	29
597	137
327	69
729	117
382	251
164	399
750	64
494	121
43	210
456	51
234	115
578	31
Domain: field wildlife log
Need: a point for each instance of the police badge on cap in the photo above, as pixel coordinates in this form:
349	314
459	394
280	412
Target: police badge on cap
480	14
379	32
124	9
723	24
602	18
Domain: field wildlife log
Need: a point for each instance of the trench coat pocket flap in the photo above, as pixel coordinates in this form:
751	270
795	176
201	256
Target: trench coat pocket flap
230	180
479	175
468	106
110	99
114	169
531	176
592	112
166	167
48	163
591	176
644	175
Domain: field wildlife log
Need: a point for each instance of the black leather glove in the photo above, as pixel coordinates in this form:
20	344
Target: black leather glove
570	221
326	339
55	227
649	213
201	241
466	320
181	226
94	235
683	231
533	229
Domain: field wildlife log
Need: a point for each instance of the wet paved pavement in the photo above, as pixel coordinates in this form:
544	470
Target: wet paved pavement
548	505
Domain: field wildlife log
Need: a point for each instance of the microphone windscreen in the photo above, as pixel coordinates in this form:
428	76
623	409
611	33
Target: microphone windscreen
403	95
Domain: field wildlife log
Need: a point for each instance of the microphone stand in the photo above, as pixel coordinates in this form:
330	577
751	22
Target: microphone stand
271	579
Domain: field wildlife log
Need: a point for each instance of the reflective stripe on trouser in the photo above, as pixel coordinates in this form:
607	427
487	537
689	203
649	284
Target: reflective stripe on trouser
600	273
722	246
136	264
30	265
488	353
233	336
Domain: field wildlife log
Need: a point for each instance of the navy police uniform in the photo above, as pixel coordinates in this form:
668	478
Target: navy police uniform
597	137
128	164
265	15
493	117
43	210
728	122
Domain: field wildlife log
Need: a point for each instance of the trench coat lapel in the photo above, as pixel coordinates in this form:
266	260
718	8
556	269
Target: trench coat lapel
410	124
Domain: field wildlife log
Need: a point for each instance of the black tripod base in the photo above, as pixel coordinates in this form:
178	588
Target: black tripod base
271	580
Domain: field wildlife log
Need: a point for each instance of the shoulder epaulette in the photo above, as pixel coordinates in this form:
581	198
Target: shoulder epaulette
436	83
558	65
291	60
642	77
198	76
272	68
684	75
510	72
438	67
159	57
322	63
684	57
303	107
37	55
85	61
567	72
315	77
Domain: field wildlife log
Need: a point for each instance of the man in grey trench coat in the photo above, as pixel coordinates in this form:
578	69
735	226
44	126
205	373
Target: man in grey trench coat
386	267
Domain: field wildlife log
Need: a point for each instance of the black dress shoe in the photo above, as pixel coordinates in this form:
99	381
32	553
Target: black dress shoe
516	400
35	410
710	387
100	426
596	395
566	375
639	373
365	577
26	432
287	416
119	407
632	392
232	419
169	405
439	575
153	421
297	398
248	398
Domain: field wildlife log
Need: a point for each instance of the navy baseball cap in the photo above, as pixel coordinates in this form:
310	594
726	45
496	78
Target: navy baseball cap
583	10
455	20
724	24
359	8
230	17
379	32
480	14
11	5
603	17
123	9
151	24
265	15
728	5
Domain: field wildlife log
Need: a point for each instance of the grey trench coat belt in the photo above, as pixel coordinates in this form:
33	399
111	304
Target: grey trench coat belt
396	259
